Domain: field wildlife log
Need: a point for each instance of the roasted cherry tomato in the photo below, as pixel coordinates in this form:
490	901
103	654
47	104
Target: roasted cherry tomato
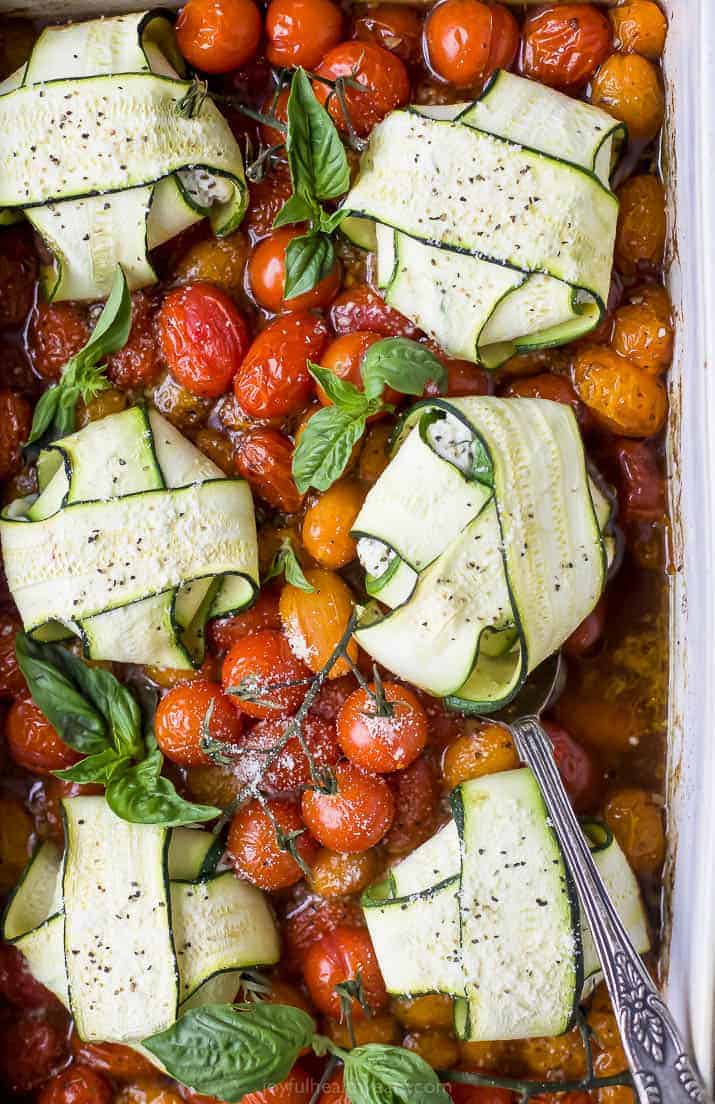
466	40
637	823
327	524
274	379
344	955
396	27
463	378
258	842
629	87
643	329
308	917
33	742
269	194
263	666
264	458
218	35
382	737
577	767
486	749
641	486
121	1063
15	422
334	1090
478	1094
182	715
547	385
315	620
564	44
137	364
585	638
353	818
203	338
300	32
57	331
17	985
290	769
76	1085
344	357
387	85
640	234
416	795
340	874
362	308
639	27
18	272
296	1089
31	1050
266	274
623	397
224	632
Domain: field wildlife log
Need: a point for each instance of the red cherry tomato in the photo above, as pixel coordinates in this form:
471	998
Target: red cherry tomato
584	639
362	308
254	846
264	458
121	1063
387	85
356	816
479	1094
76	1085
264	663
382	743
18	273
291	769
416	793
203	338
138	363
332	696
463	378
266	275
274	379
224	632
57	332
344	955
180	718
300	32
218	35
15	422
641	490
296	1089
309	918
33	742
272	135
334	1090
395	27
344	357
268	195
547	385
564	44
31	1050
466	40
17	985
580	774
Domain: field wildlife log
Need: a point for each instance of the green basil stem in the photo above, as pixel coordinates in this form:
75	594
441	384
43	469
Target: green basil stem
359	145
294	726
528	1088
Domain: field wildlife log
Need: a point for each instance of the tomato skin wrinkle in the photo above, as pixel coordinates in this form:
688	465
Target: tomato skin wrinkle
274	379
203	338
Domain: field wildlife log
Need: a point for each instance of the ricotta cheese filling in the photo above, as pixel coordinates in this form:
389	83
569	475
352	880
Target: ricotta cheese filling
375	556
452	440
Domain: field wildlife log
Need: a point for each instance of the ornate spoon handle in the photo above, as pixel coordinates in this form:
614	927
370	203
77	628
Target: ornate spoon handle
661	1068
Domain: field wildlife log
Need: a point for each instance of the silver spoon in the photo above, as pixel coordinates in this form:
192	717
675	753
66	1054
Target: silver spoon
662	1071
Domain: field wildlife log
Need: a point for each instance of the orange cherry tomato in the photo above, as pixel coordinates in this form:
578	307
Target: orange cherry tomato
487	748
274	379
346	954
254	847
416	795
121	1063
266	275
577	767
218	35
264	458
17	985
623	397
382	743
629	87
76	1085
564	44
290	769
637	823
361	308
466	40
180	718
385	79
33	742
585	638
314	621
296	1089
138	363
57	332
344	357
639	27
353	818
300	32
203	338
15	422
327	524
264	663
395	27
224	632
31	1050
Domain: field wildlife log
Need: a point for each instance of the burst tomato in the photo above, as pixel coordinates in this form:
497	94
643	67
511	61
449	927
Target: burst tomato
224	632
33	742
76	1085
31	1050
274	379
577	767
395	27
17	985
218	35
384	77
181	716
57	331
344	955
344	357
564	44
300	32
203	338
382	743
265	459
353	818
466	40
290	769
15	422
137	364
416	795
264	666
362	308
121	1063
258	852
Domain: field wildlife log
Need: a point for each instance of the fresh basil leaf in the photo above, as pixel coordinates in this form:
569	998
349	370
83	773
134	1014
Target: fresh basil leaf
141	796
340	392
113	325
285	562
404	365
309	260
316	156
226	1050
380	1074
44	415
330	222
295	209
325	446
101	767
57	694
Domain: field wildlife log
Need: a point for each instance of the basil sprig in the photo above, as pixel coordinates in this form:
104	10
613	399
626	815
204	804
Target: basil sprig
99	717
328	439
319	171
285	562
228	1050
83	375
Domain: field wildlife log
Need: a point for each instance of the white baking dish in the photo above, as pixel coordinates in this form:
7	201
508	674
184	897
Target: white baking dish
688	160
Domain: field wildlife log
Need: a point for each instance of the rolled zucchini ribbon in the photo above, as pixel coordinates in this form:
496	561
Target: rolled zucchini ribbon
102	152
492	542
493	221
135	540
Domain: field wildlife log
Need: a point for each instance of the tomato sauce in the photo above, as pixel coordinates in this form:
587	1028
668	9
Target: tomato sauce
221	353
